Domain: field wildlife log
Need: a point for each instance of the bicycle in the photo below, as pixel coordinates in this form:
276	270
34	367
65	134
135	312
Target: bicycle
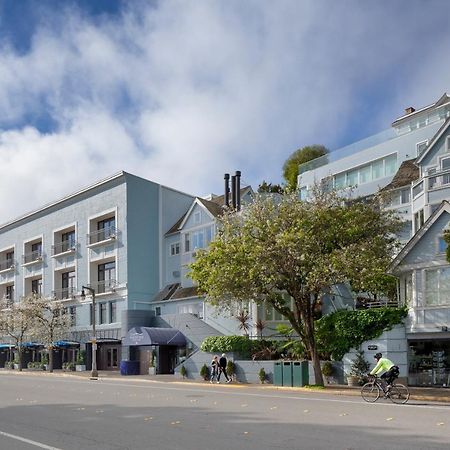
371	391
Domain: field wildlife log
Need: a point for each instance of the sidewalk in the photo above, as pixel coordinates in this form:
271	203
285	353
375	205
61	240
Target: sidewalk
417	393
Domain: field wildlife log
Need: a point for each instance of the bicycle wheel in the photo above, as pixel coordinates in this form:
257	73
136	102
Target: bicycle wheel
399	393
370	392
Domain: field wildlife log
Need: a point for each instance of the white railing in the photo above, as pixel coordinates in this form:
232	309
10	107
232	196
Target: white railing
62	247
104	234
32	257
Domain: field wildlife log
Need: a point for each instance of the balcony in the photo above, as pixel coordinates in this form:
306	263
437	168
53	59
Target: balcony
33	257
64	293
64	247
7	264
104	287
103	235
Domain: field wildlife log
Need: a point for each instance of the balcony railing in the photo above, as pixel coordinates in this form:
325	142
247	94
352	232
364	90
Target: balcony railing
64	293
63	247
7	264
103	287
32	257
105	234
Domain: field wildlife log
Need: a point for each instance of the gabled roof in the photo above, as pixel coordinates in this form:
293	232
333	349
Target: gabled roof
179	293
406	174
444	207
433	141
220	199
442	101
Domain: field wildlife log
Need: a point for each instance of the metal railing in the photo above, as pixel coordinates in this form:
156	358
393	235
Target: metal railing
32	257
62	247
105	234
7	264
104	287
64	293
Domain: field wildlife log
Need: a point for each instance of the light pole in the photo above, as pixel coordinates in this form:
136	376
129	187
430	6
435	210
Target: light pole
94	373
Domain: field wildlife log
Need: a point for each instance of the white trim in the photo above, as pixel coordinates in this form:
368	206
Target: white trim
433	141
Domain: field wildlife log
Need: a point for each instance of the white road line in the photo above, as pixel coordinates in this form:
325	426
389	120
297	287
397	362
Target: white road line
28	441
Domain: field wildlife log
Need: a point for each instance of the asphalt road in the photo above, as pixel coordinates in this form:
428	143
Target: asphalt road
46	412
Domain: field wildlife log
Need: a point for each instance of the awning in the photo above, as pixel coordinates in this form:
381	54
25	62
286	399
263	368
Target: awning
32	344
2	346
65	344
154	336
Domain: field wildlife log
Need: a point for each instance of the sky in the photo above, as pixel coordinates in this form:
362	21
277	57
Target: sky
180	92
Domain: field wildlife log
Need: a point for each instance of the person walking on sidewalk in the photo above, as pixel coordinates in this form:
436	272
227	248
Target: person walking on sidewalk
214	368
223	368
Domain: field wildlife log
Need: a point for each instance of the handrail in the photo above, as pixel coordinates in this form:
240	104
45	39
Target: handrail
102	235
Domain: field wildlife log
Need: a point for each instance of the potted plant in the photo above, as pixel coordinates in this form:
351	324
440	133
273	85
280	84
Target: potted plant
262	375
68	366
44	361
183	372
80	363
204	372
358	371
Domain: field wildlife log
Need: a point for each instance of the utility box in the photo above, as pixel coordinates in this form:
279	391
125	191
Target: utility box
287	373
300	373
277	374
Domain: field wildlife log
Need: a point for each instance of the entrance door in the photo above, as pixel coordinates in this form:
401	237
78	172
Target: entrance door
109	357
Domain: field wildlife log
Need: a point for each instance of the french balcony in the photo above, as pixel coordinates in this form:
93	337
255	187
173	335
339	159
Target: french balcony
100	236
64	293
32	257
64	247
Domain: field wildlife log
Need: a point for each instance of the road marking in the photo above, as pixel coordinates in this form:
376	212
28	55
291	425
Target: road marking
28	441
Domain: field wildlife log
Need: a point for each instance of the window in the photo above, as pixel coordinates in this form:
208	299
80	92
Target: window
390	165
339	180
418	220
9	294
91	314
421	147
36	250
408	289
352	178
447	143
102	311
67	241
187	242
106	276
158	310
197	217
377	169
67	284
198	240
9	259
437	286
365	173
106	228
442	245
36	286
175	249
431	180
445	163
112	312
209	234
405	196
417	189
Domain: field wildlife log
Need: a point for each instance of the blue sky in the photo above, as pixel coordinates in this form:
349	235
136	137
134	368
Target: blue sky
182	91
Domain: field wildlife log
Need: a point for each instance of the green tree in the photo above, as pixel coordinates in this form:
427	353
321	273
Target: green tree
270	188
274	247
300	156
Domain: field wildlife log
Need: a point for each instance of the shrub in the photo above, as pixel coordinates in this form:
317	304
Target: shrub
262	375
81	358
327	369
230	368
227	344
183	371
360	367
204	372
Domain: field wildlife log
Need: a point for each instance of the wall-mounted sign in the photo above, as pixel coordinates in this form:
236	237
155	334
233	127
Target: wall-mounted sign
372	347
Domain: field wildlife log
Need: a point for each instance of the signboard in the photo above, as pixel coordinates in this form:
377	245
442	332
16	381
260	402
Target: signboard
372	347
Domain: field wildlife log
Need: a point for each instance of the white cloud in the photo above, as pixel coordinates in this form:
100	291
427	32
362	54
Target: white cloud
186	91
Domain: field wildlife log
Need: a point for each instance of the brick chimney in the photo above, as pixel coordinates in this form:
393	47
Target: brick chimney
409	110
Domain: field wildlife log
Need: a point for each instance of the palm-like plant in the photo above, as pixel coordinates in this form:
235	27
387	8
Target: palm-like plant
243	318
260	326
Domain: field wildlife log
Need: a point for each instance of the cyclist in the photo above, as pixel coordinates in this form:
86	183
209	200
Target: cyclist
385	365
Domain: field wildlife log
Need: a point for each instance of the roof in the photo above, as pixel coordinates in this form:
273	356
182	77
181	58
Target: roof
444	207
442	100
215	207
406	174
433	141
154	336
177	293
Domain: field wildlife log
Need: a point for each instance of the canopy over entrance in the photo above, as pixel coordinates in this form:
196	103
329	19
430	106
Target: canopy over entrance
154	336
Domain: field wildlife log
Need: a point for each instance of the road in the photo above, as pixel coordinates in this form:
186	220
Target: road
46	412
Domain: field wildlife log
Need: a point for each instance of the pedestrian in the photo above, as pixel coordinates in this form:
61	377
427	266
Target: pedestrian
214	368
223	368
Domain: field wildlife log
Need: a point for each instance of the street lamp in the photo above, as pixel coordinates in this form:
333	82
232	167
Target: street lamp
94	373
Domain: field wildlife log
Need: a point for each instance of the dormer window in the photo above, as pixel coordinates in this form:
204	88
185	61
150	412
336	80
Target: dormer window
421	147
445	163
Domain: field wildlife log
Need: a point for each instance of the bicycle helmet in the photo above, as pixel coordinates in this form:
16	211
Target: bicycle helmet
378	355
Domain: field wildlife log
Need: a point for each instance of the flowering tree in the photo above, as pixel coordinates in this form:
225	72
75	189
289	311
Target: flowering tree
16	321
278	246
52	322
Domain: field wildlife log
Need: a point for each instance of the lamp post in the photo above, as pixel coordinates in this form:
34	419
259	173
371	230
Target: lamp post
94	373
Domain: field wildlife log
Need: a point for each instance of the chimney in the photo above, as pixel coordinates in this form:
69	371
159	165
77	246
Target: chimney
227	190
238	190
409	110
233	191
